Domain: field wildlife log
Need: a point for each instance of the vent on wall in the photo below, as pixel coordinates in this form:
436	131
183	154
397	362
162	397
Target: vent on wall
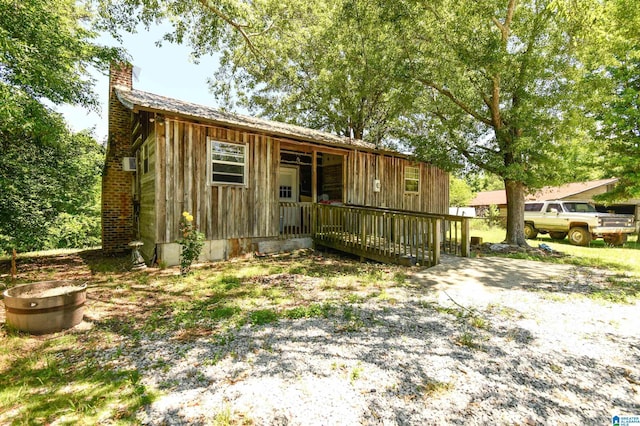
129	164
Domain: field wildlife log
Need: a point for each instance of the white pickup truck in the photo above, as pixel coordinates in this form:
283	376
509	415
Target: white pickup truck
578	219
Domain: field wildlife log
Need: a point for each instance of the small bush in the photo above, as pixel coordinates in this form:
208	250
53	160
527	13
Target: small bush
191	243
75	231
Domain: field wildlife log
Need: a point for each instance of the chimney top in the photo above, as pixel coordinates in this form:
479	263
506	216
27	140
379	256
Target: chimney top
120	75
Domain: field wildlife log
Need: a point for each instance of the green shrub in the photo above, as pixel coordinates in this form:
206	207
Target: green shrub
74	231
191	243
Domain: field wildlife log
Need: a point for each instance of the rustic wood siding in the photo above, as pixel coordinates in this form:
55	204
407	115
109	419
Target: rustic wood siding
147	213
220	211
179	180
364	167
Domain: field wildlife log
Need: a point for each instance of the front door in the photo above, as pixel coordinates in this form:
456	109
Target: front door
288	187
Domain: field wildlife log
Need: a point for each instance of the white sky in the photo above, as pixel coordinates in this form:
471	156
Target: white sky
167	71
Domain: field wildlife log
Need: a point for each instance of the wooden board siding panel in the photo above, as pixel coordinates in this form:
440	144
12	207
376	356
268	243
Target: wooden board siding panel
147	214
436	194
160	172
364	167
220	211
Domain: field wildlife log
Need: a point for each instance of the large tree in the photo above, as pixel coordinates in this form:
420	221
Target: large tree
326	64
503	88
620	112
496	85
46	50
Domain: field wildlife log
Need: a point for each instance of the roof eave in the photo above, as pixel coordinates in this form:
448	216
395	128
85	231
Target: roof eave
136	107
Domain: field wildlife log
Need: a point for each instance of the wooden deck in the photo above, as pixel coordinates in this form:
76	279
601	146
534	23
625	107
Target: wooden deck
392	236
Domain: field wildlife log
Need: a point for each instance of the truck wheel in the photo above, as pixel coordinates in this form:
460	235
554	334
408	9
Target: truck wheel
579	236
529	231
558	235
615	239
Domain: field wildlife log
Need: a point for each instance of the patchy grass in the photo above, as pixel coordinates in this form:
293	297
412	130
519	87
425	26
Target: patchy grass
467	339
597	254
620	290
432	388
78	376
63	378
356	372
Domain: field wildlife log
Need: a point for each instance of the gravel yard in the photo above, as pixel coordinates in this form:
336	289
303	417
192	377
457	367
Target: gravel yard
471	341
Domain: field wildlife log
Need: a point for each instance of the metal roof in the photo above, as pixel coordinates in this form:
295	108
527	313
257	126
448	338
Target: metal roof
499	197
487	198
568	190
139	100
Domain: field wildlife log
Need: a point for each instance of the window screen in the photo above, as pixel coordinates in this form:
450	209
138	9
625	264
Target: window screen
411	179
228	163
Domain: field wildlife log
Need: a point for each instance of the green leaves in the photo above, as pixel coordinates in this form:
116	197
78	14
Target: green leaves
48	177
45	173
46	49
619	110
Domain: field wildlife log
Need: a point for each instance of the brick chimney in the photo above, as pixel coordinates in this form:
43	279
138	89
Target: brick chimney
117	195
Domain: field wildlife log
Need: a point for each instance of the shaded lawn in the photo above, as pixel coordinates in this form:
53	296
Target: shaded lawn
64	377
79	376
597	254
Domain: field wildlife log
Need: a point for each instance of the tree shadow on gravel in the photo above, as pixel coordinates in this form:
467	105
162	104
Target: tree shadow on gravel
406	364
505	273
377	361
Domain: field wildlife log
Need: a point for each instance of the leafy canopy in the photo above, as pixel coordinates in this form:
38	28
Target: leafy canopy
46	50
620	110
460	193
49	180
497	85
48	176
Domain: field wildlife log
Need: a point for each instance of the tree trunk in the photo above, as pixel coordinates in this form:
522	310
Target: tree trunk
515	213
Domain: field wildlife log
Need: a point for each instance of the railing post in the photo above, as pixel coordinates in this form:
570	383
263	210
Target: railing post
436	242
466	238
363	229
314	217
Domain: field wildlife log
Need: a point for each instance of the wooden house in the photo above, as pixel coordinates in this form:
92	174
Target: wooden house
250	184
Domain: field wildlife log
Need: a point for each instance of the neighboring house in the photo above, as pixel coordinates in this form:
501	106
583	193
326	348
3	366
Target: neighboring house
248	182
579	191
484	199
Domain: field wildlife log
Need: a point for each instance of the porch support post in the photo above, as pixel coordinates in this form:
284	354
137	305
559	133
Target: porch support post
314	192
466	238
314	176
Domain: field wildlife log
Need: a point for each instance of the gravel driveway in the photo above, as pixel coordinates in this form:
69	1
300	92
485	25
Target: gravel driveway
471	341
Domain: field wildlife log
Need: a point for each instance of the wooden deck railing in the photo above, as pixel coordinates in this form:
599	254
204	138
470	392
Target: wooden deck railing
456	237
385	235
296	220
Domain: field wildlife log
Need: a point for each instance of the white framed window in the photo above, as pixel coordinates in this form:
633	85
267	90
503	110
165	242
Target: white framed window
411	179
228	163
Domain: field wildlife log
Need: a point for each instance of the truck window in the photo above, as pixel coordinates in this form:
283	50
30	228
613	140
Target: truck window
579	207
533	207
555	206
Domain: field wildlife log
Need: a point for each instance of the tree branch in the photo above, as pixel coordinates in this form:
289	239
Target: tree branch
238	27
495	102
505	28
466	108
